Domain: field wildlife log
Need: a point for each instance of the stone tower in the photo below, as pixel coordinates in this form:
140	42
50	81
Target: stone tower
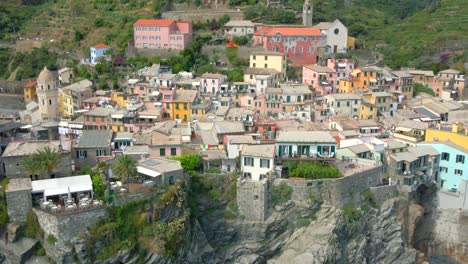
307	13
254	198
47	94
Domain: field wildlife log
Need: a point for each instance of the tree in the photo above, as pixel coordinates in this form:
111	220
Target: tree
49	159
190	162
125	168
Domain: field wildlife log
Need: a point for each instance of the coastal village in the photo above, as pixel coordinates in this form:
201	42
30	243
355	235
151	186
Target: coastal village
341	126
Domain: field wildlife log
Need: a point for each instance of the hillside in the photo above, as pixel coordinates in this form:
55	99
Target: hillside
408	32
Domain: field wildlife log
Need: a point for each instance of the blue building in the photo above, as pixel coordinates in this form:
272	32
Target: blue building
98	51
453	165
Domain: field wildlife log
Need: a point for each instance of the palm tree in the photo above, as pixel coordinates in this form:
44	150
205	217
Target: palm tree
125	168
30	165
49	159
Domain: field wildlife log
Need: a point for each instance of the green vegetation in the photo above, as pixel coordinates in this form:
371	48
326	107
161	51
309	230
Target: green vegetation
232	55
43	162
309	170
352	214
29	64
368	198
125	168
213	170
32	228
170	235
172	192
39	250
14	13
190	162
51	239
271	15
419	88
281	194
3	205
120	230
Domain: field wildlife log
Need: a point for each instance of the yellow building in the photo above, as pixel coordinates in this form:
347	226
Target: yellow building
367	111
456	133
351	43
71	97
121	99
361	79
177	104
66	103
30	91
269	60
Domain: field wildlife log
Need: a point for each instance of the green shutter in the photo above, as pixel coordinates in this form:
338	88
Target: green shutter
308	151
319	149
333	150
280	150
290	150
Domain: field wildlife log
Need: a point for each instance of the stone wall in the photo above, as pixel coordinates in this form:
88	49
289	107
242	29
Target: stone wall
121	200
67	227
14	170
253	199
383	193
19	203
334	192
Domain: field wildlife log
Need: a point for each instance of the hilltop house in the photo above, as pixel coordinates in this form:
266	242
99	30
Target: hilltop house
97	52
257	161
162	34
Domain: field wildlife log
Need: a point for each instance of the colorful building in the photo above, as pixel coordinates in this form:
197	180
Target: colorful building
97	118
162	34
452	166
301	44
269	60
322	79
382	100
456	133
403	83
98	51
211	83
29	90
360	79
71	97
177	104
367	111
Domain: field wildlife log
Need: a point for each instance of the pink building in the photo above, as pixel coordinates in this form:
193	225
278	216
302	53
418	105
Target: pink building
162	34
322	78
301	44
211	83
343	68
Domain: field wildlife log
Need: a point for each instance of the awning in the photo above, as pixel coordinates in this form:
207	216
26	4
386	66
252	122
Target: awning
373	80
342	65
148	116
147	172
26	127
78	126
324	83
60	186
404	129
117	115
372	127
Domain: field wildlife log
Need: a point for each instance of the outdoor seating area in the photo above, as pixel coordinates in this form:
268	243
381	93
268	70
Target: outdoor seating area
117	186
64	194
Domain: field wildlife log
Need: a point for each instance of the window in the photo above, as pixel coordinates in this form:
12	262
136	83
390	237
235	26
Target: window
81	154
162	152
355	101
248	161
445	156
177	106
264	163
338	104
185	106
458	172
101	152
168	106
266	65
348	103
460	159
185	117
173	151
443	169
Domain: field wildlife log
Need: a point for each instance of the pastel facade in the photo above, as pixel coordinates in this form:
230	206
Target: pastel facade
178	104
456	133
269	60
360	79
29	91
301	45
257	161
367	111
452	167
162	34
97	52
211	83
321	78
305	145
97	118
345	104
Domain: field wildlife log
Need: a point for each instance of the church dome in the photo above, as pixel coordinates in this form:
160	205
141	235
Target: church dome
47	76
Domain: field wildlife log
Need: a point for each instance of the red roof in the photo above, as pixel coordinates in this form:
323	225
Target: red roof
30	84
288	31
154	22
101	46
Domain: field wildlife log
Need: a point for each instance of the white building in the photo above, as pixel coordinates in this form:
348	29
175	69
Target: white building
344	103
234	144
239	28
257	161
337	35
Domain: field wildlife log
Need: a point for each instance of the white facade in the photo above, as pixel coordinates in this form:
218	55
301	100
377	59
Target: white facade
256	168
262	82
344	104
337	36
239	28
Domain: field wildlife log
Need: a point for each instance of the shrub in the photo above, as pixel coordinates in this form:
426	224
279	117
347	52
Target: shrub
308	170
228	214
213	170
368	197
51	239
281	194
190	162
33	229
351	213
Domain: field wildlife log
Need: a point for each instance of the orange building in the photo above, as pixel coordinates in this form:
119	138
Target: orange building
360	79
30	91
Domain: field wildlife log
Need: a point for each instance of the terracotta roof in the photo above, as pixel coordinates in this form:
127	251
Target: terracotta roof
101	46
319	68
30	84
288	31
154	22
